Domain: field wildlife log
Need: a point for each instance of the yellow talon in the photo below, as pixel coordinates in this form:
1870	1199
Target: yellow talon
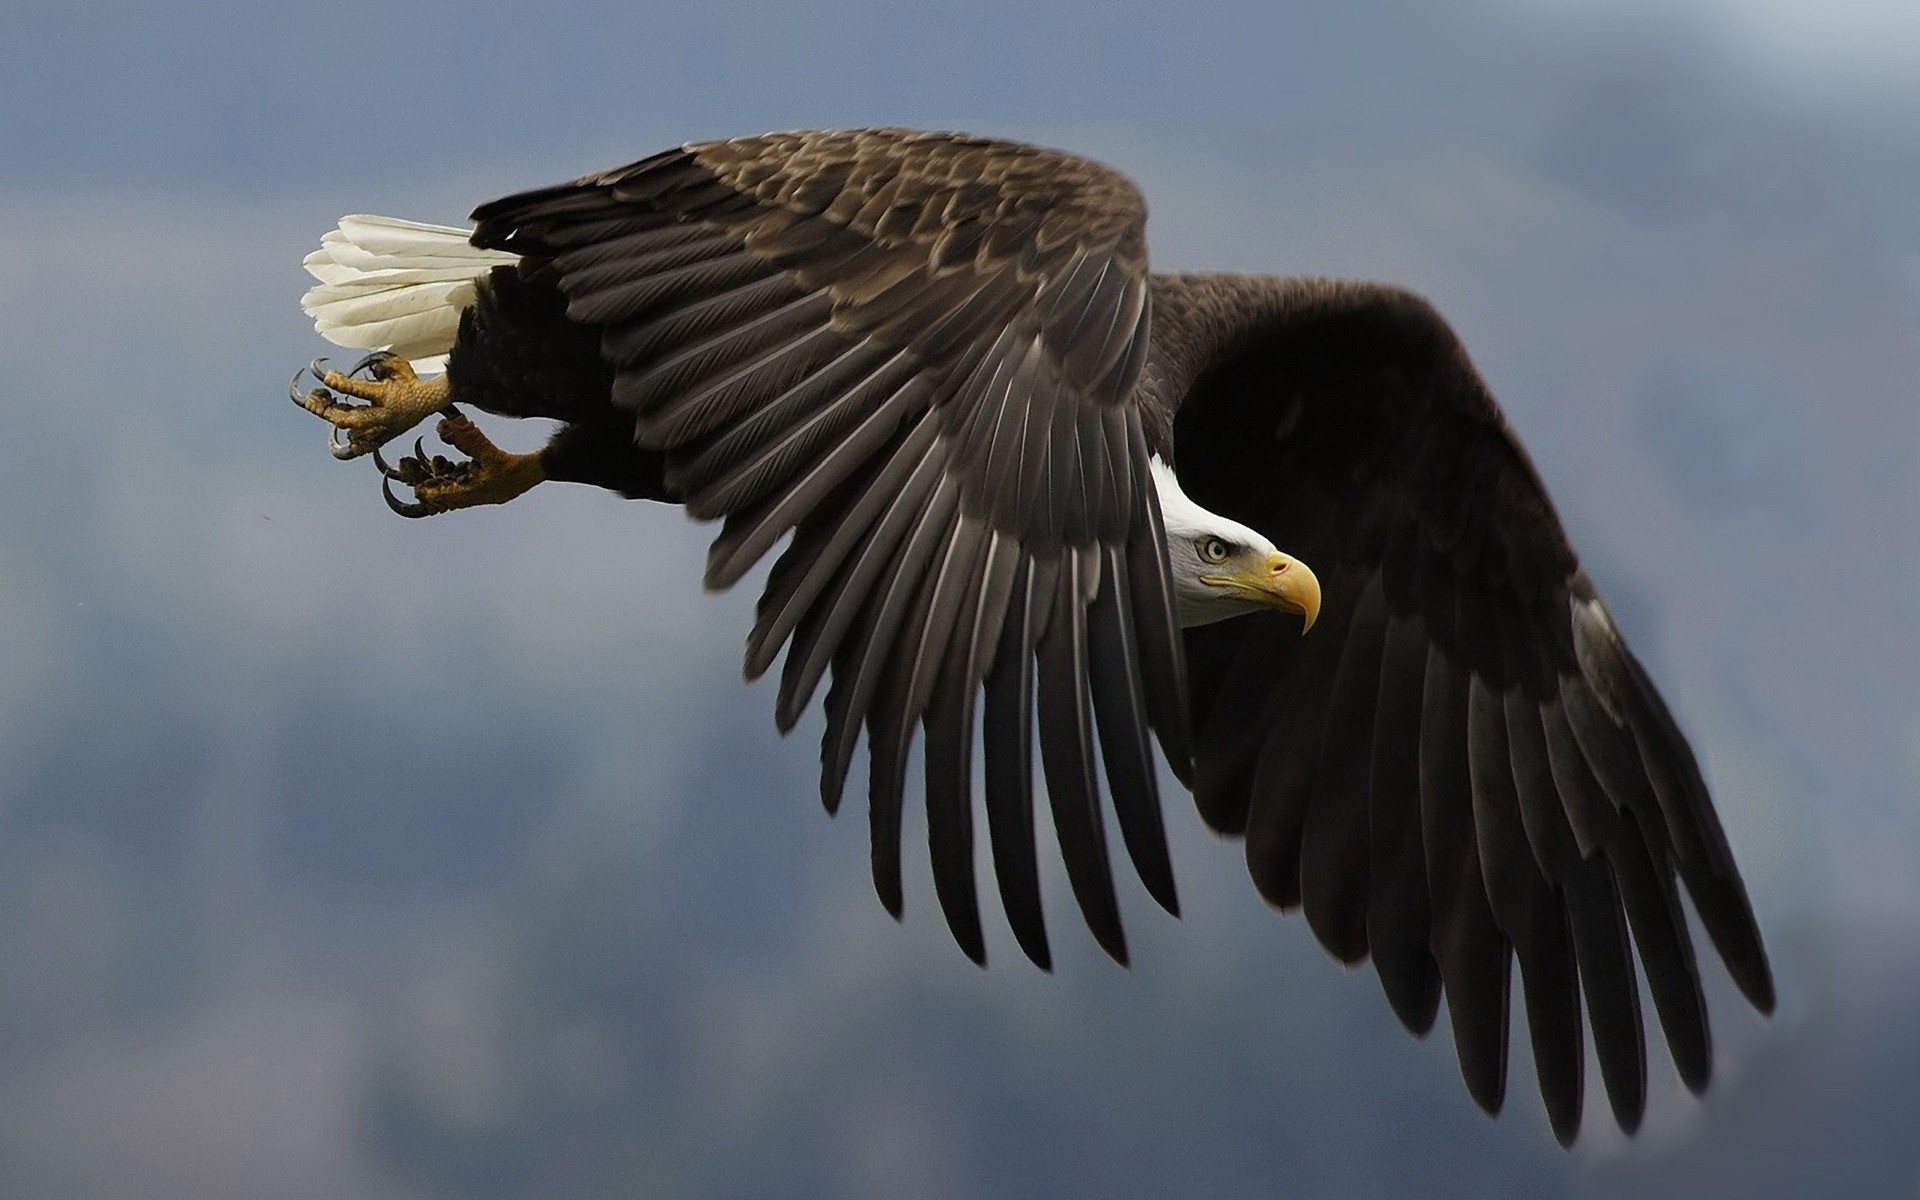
396	400
490	475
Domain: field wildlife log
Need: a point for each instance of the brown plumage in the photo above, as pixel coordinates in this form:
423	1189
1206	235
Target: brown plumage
941	364
919	353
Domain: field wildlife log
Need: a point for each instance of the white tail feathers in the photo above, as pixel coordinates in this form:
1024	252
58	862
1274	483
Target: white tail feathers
387	284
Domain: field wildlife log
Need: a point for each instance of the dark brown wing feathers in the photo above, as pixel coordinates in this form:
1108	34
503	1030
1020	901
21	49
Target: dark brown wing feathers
917	353
1462	765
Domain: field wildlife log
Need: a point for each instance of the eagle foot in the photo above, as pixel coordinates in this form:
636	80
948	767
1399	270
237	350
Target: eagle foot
488	475
396	401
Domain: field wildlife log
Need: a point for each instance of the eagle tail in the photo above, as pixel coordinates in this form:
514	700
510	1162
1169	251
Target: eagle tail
388	284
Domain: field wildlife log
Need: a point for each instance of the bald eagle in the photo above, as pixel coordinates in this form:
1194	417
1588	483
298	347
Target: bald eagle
1027	484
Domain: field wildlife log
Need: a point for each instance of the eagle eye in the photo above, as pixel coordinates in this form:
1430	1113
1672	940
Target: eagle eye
1214	550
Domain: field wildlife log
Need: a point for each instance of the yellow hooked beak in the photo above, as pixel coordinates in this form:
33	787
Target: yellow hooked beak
1276	581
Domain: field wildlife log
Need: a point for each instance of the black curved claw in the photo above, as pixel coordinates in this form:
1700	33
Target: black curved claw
386	468
293	388
377	356
339	449
319	368
413	510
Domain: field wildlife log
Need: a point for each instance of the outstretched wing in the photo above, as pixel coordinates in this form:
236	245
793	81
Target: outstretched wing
916	353
1463	762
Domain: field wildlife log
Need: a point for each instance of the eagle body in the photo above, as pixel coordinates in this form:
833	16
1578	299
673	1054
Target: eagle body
1030	494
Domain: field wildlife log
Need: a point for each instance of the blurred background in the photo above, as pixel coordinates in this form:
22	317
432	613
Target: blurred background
347	856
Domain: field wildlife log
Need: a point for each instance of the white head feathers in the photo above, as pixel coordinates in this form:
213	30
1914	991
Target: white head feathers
1189	528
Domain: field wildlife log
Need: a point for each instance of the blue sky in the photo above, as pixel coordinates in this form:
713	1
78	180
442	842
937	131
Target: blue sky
341	855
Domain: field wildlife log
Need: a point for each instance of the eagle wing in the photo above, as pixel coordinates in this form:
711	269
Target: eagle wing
917	353
1463	762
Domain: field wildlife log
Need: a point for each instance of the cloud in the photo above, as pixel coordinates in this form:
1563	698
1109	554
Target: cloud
253	1097
1728	440
1848	49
